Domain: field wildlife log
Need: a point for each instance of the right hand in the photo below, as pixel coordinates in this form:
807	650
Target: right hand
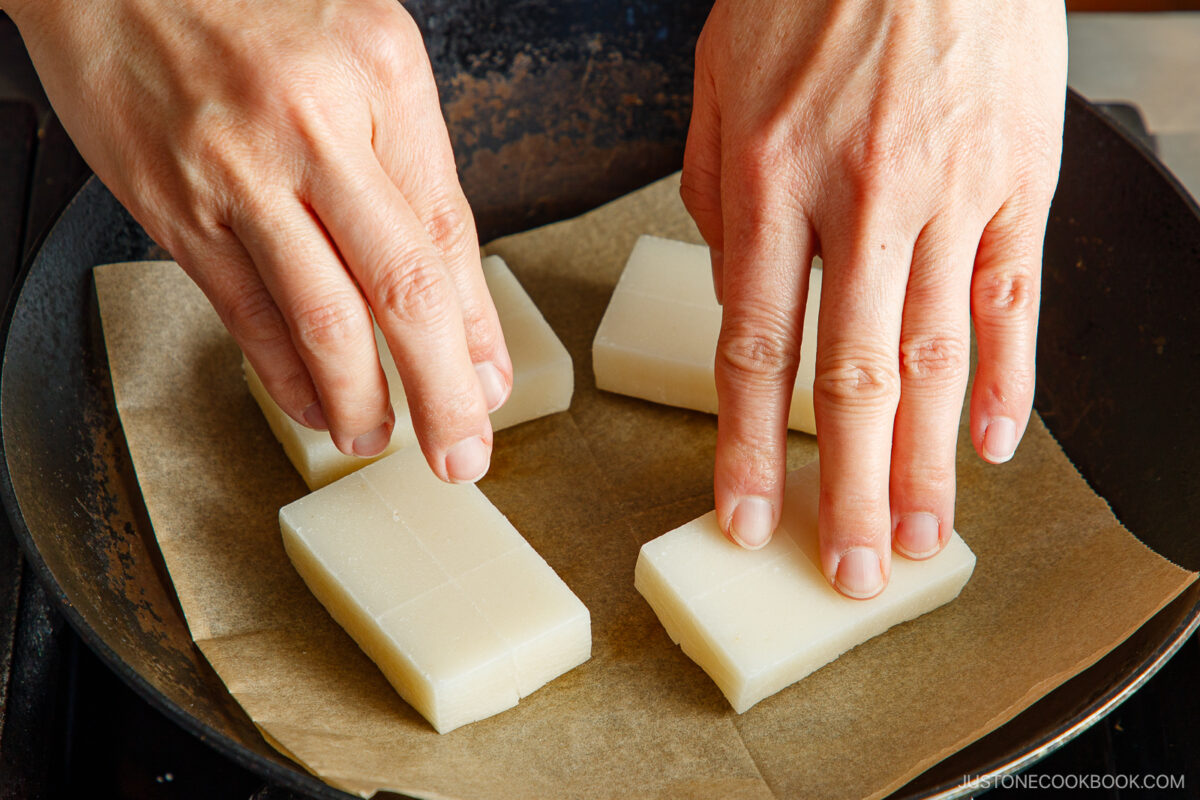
915	146
292	157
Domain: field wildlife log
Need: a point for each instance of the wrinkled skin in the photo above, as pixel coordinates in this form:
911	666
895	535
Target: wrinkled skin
915	147
292	156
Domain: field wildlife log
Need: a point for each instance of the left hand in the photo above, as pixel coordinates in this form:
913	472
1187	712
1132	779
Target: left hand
292	157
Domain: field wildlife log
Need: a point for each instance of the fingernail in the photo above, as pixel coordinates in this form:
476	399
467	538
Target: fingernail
1000	440
495	391
917	535
314	418
467	461
373	443
751	522
859	573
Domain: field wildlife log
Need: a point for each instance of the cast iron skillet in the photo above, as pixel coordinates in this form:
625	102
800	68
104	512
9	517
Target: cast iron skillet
1118	365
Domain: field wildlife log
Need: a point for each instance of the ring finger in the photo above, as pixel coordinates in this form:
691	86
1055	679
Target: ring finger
934	363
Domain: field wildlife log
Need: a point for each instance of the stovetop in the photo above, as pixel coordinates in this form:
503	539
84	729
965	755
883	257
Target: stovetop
69	727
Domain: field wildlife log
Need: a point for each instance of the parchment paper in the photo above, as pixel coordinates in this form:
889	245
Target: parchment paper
1058	583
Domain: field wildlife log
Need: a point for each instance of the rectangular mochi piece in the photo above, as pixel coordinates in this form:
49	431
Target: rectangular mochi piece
658	337
461	615
543	382
758	621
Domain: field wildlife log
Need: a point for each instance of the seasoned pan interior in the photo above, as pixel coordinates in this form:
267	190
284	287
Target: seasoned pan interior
1119	360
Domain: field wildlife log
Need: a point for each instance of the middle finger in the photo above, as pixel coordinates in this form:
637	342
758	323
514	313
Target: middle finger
855	394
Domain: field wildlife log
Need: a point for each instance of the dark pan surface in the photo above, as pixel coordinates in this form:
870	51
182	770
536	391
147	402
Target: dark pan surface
1118	378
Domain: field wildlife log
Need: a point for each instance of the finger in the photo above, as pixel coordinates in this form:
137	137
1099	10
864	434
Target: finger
769	249
856	390
407	284
329	323
228	277
427	179
717	259
935	345
1005	293
700	181
452	228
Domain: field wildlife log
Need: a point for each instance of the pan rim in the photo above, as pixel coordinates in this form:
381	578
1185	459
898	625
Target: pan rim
292	778
296	778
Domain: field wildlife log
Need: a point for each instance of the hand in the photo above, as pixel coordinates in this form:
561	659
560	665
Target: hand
293	158
915	146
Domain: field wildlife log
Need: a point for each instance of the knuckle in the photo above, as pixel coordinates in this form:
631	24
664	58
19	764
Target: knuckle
856	516
293	390
245	204
862	382
326	326
1006	294
869	163
759	161
1014	388
296	384
307	119
308	113
463	405
451	410
254	317
451	226
752	456
211	162
926	478
483	337
757	354
760	205
866	179
414	291
208	141
390	40
933	358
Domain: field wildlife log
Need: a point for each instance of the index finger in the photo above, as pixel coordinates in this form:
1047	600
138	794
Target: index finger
768	255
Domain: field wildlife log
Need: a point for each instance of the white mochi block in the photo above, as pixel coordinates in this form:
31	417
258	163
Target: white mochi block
658	337
462	616
758	621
